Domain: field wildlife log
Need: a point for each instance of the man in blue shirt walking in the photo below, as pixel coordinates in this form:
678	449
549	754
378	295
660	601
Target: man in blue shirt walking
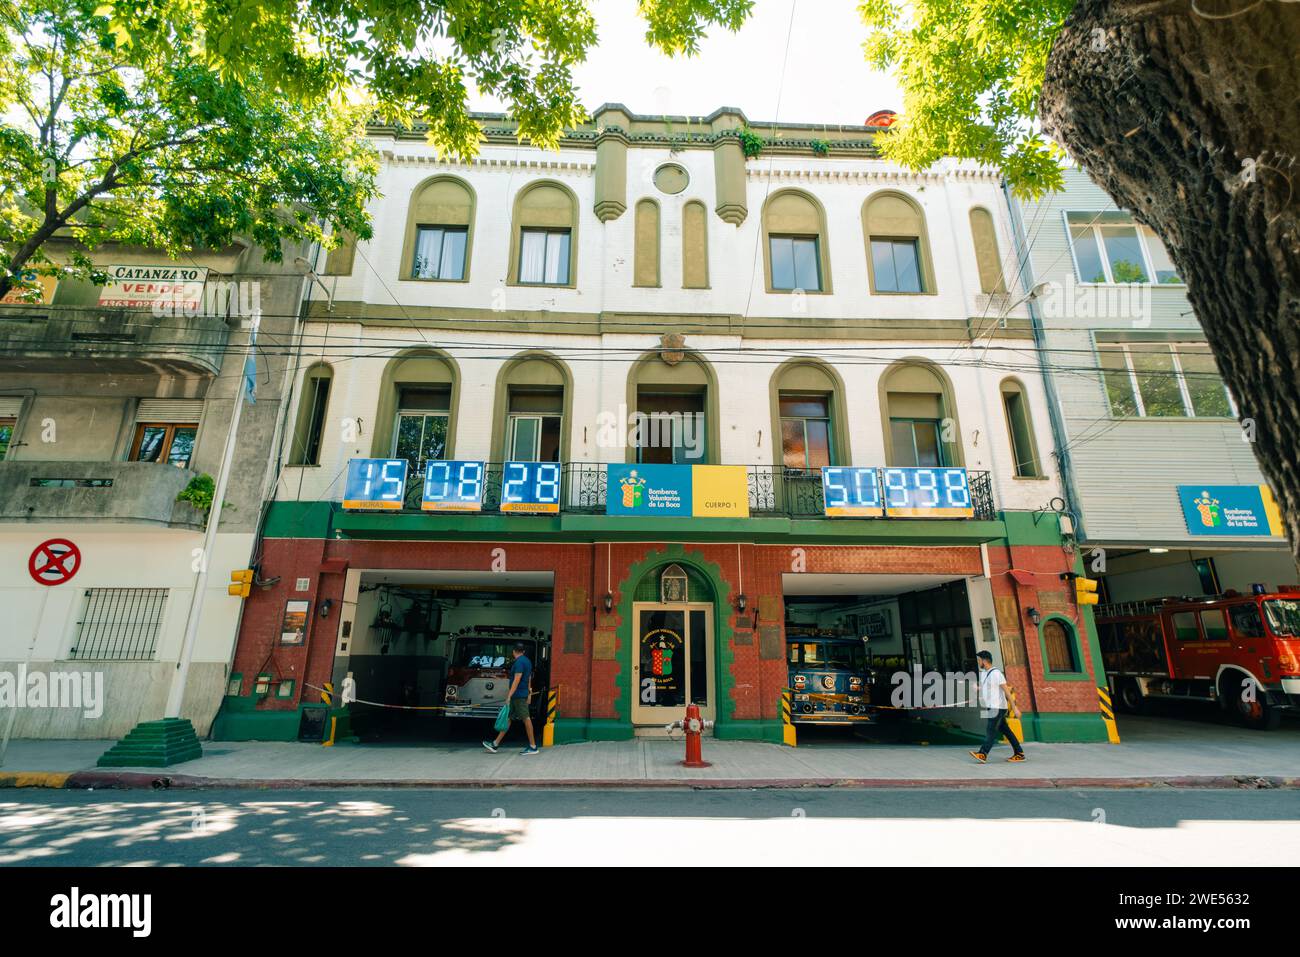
521	671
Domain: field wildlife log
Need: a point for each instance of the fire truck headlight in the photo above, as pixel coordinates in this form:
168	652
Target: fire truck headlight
855	684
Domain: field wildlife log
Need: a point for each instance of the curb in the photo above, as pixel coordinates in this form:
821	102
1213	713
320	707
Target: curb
158	781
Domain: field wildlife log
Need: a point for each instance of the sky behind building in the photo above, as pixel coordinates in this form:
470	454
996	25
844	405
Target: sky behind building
819	43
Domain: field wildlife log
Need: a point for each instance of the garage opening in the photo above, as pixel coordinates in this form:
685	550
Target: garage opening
848	636
430	651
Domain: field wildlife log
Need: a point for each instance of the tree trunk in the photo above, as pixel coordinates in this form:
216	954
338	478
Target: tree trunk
1190	117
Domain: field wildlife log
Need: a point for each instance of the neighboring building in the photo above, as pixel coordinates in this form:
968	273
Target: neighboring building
814	306
113	400
1167	494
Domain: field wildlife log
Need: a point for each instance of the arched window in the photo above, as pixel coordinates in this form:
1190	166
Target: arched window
898	247
986	252
645	266
534	403
439	230
309	428
695	246
1020	429
920	417
808	418
544	236
674	585
1060	647
795	245
417	408
675	401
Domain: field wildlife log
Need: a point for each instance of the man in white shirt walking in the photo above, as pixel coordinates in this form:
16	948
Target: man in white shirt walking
993	699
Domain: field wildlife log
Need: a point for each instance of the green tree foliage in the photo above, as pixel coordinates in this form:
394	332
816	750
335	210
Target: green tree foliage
419	59
105	138
971	73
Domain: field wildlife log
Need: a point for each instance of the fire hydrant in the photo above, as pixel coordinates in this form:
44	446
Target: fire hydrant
693	725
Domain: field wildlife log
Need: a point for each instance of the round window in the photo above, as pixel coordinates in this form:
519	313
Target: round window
671	178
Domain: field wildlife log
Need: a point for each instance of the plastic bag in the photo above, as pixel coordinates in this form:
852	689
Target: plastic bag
503	718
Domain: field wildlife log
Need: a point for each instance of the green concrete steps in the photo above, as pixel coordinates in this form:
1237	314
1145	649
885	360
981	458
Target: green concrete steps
154	744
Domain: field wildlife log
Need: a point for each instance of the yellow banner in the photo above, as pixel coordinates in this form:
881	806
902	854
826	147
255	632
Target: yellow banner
719	491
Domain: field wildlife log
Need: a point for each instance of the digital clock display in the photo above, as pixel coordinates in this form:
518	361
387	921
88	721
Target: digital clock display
452	486
530	487
851	492
375	484
925	492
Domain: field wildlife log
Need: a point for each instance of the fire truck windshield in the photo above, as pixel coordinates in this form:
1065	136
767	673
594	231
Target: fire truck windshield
1283	616
483	653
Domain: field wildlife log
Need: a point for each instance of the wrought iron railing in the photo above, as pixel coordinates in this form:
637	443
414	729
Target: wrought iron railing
774	490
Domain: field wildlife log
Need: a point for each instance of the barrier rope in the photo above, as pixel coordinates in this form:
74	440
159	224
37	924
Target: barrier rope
398	707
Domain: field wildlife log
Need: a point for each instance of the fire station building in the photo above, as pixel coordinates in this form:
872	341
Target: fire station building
654	405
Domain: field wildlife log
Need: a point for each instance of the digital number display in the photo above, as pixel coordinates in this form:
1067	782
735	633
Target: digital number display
927	492
452	486
530	487
850	491
375	484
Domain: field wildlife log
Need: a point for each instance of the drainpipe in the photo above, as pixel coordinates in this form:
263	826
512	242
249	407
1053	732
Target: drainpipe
1026	276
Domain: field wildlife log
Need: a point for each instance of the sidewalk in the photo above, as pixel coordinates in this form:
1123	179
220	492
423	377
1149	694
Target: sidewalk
1155	753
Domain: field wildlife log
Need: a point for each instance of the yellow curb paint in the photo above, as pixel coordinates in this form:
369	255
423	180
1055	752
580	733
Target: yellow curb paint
788	734
552	711
34	779
1108	715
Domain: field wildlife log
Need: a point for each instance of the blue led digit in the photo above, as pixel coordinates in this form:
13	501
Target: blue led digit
927	486
835	492
470	484
869	496
957	488
896	491
512	490
437	476
396	482
548	483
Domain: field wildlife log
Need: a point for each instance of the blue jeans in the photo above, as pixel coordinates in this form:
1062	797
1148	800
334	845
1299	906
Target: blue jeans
997	726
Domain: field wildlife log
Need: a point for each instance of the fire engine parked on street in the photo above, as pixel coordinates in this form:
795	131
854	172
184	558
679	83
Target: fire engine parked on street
828	675
1242	651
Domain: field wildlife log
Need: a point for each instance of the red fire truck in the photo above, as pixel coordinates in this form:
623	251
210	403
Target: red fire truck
1242	651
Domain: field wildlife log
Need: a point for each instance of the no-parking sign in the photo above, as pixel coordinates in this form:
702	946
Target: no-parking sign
54	562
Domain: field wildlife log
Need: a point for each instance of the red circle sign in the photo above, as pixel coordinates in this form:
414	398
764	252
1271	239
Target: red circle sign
54	562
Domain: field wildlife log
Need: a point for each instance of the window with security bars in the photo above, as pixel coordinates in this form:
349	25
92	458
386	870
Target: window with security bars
120	624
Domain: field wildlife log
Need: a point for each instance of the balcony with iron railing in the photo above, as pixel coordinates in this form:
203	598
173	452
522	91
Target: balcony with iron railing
774	491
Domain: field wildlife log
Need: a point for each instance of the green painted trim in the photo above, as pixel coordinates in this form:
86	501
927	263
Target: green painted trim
381	442
723	655
289	519
841	451
1031	528
763	729
517	226
1073	632
639	281
406	266
510	376
823	244
952	450
607	729
1062	727
929	286
792	326
658	373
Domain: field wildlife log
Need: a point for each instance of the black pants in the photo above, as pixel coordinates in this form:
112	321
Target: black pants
997	726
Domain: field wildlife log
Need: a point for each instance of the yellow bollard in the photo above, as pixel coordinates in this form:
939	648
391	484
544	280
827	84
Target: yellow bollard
552	711
788	735
1108	715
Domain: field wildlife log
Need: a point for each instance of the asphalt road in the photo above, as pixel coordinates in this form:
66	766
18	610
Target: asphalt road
804	827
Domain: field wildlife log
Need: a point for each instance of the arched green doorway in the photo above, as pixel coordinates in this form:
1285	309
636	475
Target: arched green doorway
674	655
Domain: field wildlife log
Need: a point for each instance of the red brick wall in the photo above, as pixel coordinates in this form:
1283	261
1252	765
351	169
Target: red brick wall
588	686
